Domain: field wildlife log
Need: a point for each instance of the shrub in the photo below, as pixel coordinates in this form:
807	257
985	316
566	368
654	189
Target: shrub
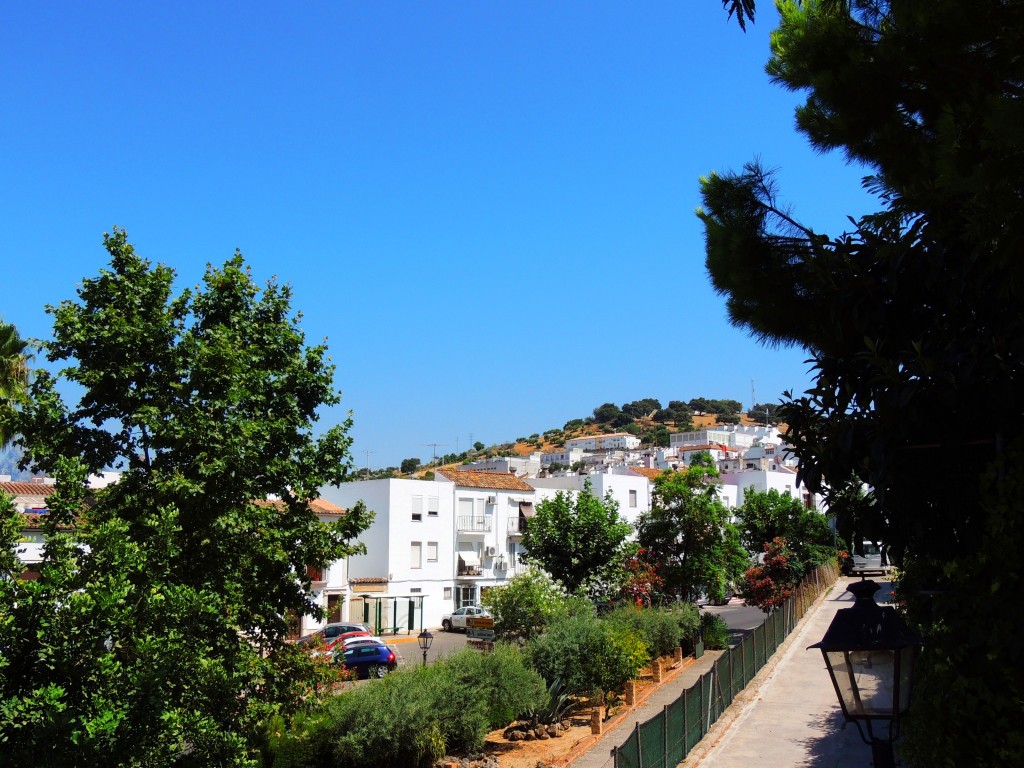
589	655
714	630
501	679
687	615
413	717
524	607
658	628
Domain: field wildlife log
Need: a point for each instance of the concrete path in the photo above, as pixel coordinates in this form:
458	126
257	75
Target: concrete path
788	715
619	728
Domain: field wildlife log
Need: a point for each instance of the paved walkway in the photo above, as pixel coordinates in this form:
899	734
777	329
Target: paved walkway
787	716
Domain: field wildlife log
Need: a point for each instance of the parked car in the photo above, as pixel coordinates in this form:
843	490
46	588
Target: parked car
457	619
871	560
367	658
329	635
331	631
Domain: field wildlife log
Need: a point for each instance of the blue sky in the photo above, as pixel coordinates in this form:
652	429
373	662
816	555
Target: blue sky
486	208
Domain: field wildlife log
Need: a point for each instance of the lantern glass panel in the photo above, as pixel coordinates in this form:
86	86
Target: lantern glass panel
866	680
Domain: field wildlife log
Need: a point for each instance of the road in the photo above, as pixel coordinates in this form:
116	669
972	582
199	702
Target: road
742	619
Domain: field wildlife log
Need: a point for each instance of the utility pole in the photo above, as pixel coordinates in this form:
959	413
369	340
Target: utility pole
368	463
434	446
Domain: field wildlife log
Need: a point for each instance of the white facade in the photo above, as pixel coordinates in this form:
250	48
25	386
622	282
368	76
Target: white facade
632	492
614	441
736	436
444	540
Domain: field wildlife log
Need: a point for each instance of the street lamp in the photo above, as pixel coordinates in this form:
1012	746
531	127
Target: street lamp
869	651
424	639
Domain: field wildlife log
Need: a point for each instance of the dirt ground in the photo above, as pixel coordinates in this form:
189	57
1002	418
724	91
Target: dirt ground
555	753
559	752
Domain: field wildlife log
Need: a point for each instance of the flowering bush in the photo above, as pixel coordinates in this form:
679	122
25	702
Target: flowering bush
770	584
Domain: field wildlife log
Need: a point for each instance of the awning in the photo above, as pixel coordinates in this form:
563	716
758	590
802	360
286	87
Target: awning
526	509
469	559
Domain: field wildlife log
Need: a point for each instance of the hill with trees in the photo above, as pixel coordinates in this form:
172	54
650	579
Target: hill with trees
646	418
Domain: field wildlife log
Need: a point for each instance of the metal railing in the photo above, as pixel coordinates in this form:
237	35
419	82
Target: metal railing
474	524
665	740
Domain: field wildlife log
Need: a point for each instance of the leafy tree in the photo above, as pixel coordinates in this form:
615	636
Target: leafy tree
573	425
607	413
765	413
641	408
478	446
659	436
155	633
767	515
700	405
769	584
411	465
577	538
687	533
14	356
525	606
914	312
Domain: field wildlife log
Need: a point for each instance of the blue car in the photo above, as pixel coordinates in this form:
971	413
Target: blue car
370	658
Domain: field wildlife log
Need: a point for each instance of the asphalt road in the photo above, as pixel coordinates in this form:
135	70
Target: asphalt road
742	619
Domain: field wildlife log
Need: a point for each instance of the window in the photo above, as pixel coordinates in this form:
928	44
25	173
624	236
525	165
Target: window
632	498
415	590
447	593
432	506
416	555
417	509
417	517
431	551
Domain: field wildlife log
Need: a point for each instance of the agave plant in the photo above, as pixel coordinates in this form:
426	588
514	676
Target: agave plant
558	705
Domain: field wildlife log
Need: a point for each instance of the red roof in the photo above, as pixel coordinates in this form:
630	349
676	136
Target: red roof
498	481
28	489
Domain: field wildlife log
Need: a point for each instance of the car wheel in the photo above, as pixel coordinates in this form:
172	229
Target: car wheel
446	625
378	670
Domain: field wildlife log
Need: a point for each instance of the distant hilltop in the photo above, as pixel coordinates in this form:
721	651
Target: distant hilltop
646	419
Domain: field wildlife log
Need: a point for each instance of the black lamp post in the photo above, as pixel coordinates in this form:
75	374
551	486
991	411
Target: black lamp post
869	651
424	639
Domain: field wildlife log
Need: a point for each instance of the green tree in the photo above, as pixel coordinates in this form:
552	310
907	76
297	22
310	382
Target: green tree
767	515
687	534
607	413
641	408
14	357
914	312
577	538
155	633
411	464
525	606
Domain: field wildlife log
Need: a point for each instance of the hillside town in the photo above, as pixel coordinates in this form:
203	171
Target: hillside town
437	545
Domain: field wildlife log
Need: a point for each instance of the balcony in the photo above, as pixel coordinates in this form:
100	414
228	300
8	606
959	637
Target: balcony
516	526
474	524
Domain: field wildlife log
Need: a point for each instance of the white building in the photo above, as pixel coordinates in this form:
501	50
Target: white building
614	441
735	436
434	545
520	465
630	489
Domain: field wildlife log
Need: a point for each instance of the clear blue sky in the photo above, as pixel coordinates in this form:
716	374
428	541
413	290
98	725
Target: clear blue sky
486	207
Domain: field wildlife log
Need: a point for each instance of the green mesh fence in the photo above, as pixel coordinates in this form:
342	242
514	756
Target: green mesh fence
666	739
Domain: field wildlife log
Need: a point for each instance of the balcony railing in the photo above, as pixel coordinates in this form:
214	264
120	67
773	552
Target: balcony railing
516	525
481	524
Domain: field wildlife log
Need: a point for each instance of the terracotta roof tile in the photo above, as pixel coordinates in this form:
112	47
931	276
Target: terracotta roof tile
28	489
499	481
649	472
319	506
